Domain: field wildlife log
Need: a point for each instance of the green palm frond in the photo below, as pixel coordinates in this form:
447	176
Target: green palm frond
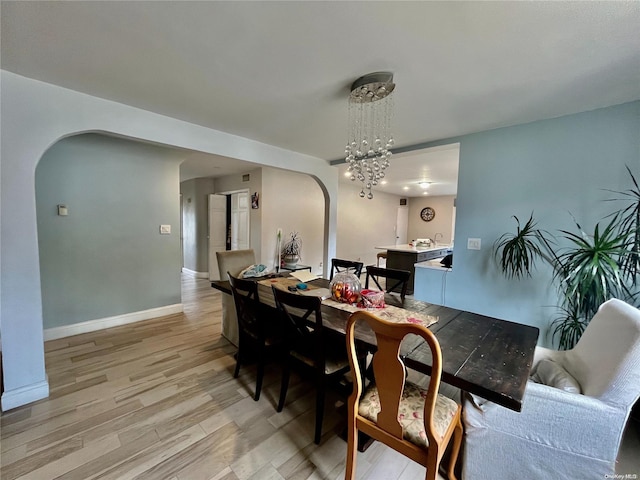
588	271
629	223
517	253
568	327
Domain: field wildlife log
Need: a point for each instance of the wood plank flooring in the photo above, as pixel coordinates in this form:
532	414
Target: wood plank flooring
156	400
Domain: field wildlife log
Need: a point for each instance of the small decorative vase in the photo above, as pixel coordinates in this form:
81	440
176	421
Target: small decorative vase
290	261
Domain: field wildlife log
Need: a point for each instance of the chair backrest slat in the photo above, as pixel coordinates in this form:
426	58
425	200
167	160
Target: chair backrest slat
338	265
248	307
400	277
302	318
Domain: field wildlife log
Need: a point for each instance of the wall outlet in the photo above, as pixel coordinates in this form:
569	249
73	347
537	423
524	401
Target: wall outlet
473	243
165	229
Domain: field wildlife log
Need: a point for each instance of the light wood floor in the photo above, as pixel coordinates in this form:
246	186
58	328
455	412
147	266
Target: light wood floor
156	400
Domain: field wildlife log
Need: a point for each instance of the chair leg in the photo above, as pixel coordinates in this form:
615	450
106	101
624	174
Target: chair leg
320	390
236	372
260	374
455	450
352	447
285	384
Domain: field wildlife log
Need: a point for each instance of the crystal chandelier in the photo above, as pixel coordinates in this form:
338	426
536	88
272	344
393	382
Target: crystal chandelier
370	140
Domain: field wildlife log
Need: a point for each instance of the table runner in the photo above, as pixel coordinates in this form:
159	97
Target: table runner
389	313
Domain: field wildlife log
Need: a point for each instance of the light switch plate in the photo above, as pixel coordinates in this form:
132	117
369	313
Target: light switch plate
473	243
165	229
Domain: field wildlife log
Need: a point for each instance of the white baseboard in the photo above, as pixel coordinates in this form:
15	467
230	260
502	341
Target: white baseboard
108	322
195	274
23	395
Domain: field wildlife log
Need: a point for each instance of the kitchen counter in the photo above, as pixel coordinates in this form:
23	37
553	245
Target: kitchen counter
405	257
412	249
433	264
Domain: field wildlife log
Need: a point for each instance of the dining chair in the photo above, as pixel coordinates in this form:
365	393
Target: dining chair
338	265
418	423
233	261
258	333
307	343
400	279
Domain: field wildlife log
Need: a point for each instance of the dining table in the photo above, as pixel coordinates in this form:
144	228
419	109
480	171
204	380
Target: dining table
482	355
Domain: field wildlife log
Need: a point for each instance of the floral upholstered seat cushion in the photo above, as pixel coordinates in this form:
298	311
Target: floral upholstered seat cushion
411	412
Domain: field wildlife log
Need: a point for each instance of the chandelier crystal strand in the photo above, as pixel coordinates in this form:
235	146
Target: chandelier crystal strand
368	146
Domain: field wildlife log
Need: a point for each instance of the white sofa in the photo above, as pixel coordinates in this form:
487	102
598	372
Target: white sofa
560	434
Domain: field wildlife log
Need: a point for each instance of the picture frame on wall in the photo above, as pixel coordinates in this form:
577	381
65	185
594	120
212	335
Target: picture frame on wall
255	200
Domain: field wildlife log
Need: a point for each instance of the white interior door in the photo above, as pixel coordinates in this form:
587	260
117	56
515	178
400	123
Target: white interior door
402	225
240	220
217	232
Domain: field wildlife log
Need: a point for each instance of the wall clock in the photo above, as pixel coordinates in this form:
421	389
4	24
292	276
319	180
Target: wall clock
427	214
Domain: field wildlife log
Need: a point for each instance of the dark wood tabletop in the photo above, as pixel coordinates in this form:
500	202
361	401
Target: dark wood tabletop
482	355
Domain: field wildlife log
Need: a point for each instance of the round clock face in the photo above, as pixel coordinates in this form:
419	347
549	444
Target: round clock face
427	214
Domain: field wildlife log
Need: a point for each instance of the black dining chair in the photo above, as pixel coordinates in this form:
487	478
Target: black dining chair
308	344
399	279
338	265
260	332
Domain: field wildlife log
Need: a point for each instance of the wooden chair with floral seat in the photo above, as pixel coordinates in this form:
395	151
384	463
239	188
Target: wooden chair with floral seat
418	423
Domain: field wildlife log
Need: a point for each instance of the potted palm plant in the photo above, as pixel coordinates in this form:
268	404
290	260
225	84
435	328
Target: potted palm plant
588	270
291	251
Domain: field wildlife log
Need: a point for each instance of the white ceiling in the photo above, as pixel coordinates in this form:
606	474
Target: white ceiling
279	72
437	166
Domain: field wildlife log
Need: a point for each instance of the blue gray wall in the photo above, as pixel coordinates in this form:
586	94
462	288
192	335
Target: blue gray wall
195	223
555	168
107	258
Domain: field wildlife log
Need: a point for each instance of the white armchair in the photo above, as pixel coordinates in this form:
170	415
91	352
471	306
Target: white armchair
560	434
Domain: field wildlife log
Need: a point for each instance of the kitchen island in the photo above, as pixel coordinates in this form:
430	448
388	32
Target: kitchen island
404	257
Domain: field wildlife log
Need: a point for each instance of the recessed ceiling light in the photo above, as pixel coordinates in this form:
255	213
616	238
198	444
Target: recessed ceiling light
383	182
424	184
425	193
406	188
347	173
